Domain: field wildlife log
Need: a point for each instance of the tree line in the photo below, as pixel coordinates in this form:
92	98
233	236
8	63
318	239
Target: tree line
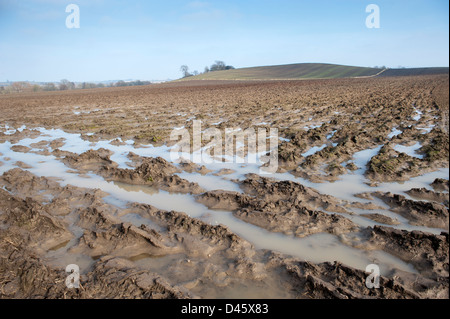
216	66
63	85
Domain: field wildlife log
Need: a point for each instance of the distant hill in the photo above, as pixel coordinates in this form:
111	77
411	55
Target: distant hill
415	71
310	71
289	71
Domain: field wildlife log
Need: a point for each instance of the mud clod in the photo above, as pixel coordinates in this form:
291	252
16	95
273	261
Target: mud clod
330	129
428	214
383	219
154	172
440	184
427	252
288	215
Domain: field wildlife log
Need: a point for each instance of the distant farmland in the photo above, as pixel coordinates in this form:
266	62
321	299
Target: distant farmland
414	71
311	71
290	71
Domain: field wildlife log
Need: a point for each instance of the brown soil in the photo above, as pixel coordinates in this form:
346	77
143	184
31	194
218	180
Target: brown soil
155	172
277	215
383	219
43	225
367	110
440	184
427	252
423	193
337	281
428	214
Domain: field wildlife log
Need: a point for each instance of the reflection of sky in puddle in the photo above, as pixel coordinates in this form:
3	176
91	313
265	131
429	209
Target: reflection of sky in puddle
427	129
394	132
310	127
211	182
418	115
316	248
10	131
138	220
330	136
410	150
314	150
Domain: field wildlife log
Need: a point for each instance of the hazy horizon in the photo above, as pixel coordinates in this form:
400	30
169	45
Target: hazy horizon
150	40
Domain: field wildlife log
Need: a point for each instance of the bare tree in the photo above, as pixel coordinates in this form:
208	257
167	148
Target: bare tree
50	86
185	70
219	66
66	85
20	86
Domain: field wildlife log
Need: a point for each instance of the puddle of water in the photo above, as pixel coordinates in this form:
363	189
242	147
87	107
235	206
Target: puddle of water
11	130
426	130
158	198
394	132
348	185
330	136
345	188
314	150
59	246
310	127
59	256
137	220
315	248
404	223
145	256
410	150
211	182
418	115
156	263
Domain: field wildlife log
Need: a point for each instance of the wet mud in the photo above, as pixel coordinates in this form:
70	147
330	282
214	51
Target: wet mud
363	174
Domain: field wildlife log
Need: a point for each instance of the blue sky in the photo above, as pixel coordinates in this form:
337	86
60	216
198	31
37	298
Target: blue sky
147	40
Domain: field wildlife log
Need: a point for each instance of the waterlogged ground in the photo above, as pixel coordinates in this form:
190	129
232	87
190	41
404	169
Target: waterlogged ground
362	179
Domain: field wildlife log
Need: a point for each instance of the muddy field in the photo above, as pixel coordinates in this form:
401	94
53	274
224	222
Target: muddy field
86	178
